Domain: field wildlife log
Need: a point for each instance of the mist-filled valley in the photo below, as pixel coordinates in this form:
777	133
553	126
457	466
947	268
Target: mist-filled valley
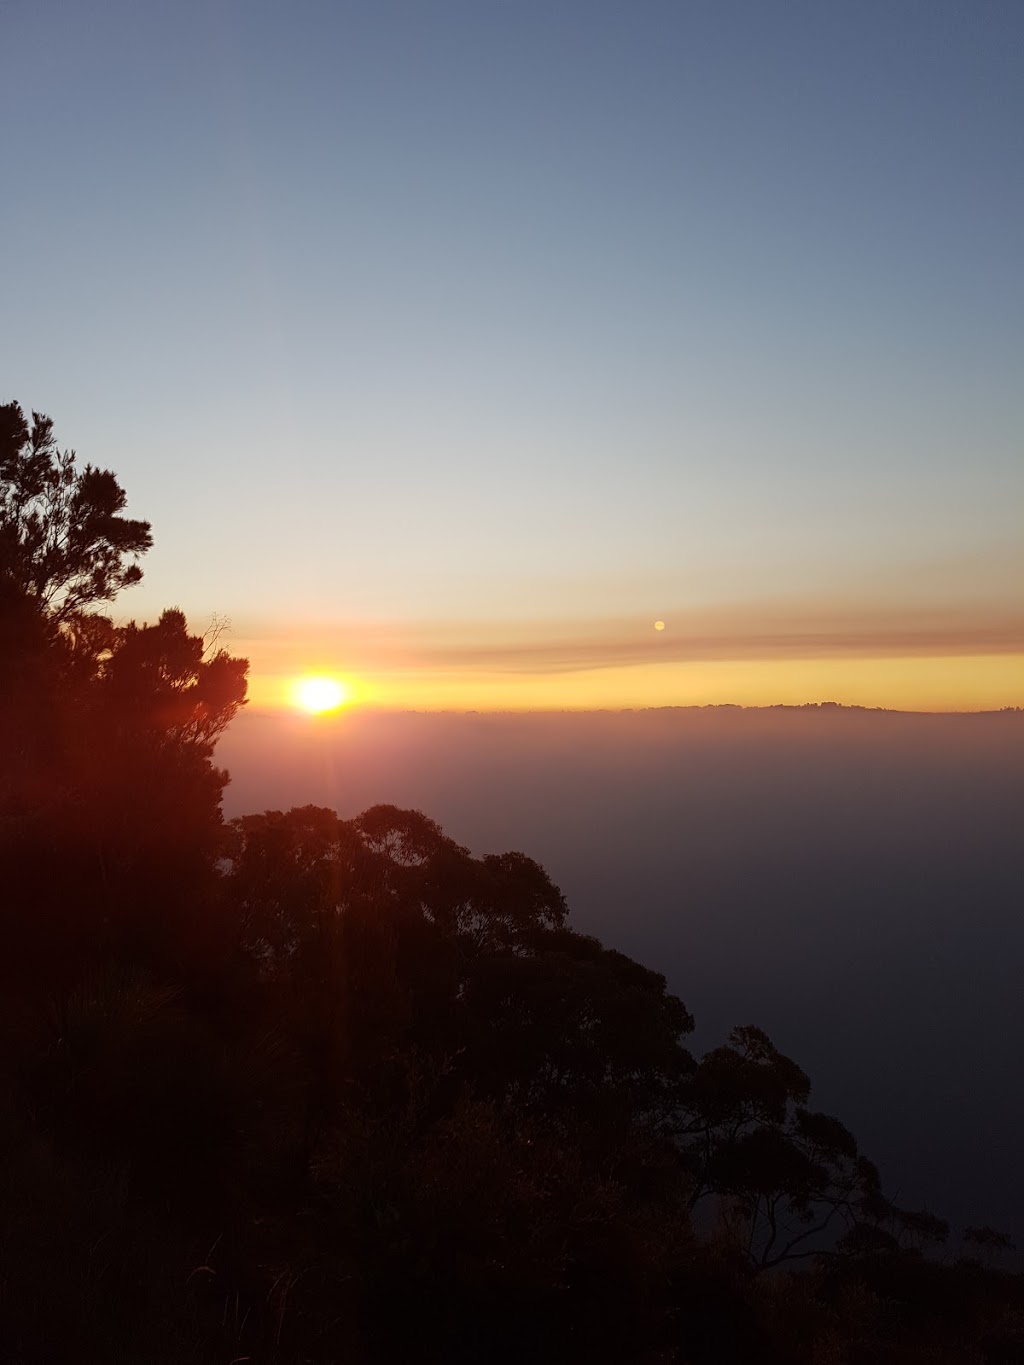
848	880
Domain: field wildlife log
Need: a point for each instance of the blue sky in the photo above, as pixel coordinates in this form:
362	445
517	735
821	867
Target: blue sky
580	312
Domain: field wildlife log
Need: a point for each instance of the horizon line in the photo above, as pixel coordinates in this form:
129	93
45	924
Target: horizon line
282	712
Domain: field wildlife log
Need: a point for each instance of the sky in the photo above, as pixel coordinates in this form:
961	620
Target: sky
449	347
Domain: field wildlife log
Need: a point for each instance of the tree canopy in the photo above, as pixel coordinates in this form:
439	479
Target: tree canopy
64	540
107	730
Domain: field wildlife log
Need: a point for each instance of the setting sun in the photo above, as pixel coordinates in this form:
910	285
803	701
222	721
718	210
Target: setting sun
320	694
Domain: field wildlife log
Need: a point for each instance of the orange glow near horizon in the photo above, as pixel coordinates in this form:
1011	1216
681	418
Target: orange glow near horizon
957	683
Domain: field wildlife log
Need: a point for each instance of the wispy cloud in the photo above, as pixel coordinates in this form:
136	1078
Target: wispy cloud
752	631
619	645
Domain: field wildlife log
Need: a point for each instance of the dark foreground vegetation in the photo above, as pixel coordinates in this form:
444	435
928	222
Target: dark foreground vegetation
301	1089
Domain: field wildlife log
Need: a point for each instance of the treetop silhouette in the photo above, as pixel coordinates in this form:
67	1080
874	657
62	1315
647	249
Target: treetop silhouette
107	731
64	540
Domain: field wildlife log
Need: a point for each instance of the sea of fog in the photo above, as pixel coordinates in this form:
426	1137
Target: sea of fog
852	881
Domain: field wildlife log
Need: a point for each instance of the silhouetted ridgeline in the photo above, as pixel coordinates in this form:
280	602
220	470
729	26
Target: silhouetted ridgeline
309	1089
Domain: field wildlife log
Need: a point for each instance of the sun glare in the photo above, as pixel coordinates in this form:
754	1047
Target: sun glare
317	695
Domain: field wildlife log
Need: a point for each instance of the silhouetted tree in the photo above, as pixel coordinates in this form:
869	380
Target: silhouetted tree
783	1174
63	538
988	1243
107	732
